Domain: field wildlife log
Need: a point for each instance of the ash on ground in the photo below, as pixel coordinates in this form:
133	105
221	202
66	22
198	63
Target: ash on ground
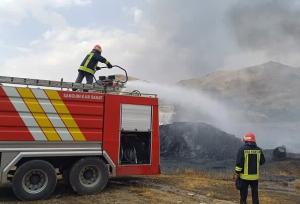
196	145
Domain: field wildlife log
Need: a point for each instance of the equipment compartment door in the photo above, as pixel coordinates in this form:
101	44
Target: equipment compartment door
132	122
135	134
136	118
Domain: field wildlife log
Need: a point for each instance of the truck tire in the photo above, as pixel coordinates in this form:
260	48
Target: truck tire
34	180
88	176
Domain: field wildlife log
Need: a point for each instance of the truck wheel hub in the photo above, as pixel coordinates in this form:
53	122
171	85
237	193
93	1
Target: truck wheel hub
35	181
89	176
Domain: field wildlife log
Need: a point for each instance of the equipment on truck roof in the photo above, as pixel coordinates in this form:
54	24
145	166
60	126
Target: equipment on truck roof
105	84
111	81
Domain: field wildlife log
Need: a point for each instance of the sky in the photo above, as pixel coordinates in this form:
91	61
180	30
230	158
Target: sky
156	40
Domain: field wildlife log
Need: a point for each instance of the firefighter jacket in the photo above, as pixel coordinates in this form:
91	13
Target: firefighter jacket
89	64
249	159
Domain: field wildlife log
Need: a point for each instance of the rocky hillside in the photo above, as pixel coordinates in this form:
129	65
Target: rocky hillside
267	92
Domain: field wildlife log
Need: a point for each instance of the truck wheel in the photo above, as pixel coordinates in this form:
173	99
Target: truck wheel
88	176
34	180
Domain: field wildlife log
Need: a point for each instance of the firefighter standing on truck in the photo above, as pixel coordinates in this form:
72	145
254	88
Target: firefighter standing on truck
88	67
249	159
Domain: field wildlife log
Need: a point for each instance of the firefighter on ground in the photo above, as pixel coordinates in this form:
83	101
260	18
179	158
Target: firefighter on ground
88	67
249	159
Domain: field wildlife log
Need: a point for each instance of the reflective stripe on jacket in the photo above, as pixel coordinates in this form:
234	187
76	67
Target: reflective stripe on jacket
89	64
249	159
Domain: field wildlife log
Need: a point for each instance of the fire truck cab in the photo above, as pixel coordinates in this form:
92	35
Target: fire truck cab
82	137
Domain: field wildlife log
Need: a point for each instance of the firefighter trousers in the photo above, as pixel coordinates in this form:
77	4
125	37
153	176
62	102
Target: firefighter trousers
244	191
81	74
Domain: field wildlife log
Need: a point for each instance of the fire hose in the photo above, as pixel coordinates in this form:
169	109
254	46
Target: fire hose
117	66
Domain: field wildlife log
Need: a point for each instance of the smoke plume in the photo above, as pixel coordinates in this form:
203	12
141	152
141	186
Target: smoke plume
193	106
271	26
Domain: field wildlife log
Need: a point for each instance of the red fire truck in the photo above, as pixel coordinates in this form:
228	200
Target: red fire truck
49	132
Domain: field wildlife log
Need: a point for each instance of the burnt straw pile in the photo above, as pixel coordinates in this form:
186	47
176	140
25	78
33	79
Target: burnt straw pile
197	141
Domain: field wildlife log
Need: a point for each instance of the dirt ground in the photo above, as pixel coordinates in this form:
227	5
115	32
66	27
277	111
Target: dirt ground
280	183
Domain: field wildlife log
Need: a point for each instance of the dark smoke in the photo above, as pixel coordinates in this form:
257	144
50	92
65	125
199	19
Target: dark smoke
195	37
185	38
272	26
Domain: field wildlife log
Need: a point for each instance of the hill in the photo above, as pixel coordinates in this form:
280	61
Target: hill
264	93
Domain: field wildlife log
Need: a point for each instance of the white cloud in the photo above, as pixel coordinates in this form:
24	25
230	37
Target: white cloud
82	2
59	52
136	13
15	11
11	13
